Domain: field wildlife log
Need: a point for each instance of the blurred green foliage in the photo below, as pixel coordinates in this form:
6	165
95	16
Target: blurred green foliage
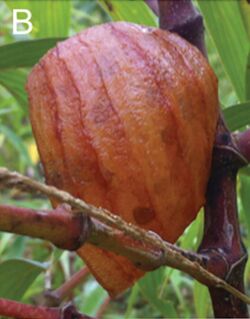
164	292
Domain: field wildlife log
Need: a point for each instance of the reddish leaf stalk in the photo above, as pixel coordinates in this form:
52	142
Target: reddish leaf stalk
55	297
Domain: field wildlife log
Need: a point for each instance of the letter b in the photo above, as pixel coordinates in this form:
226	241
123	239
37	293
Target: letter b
25	21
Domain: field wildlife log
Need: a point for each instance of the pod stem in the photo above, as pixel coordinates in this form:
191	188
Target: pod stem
221	244
182	18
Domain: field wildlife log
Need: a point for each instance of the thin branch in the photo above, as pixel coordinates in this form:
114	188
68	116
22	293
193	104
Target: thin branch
103	308
146	249
55	297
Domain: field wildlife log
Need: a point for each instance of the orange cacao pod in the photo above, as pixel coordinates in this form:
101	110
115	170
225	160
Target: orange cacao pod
124	117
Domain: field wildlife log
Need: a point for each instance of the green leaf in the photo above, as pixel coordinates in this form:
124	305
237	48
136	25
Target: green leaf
248	77
14	81
16	275
131	301
17	143
92	298
193	233
178	282
245	171
25	53
201	300
237	116
245	198
50	18
6	105
17	247
4	241
131	11
245	12
150	286
225	24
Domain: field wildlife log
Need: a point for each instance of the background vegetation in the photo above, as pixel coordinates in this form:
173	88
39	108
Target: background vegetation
29	266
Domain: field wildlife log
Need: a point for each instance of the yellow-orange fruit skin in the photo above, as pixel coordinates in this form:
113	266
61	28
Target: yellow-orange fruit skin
124	117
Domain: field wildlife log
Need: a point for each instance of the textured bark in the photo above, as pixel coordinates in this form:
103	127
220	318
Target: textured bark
226	255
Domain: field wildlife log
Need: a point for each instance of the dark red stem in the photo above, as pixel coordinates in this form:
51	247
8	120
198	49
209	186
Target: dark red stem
242	140
65	231
14	309
222	245
184	19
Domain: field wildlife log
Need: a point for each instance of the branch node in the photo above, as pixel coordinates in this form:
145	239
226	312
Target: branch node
69	312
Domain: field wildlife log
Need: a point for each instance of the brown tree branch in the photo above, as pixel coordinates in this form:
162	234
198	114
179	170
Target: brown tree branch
144	248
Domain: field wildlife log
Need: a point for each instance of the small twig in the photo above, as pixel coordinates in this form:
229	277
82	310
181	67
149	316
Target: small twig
101	311
55	297
13	309
145	249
